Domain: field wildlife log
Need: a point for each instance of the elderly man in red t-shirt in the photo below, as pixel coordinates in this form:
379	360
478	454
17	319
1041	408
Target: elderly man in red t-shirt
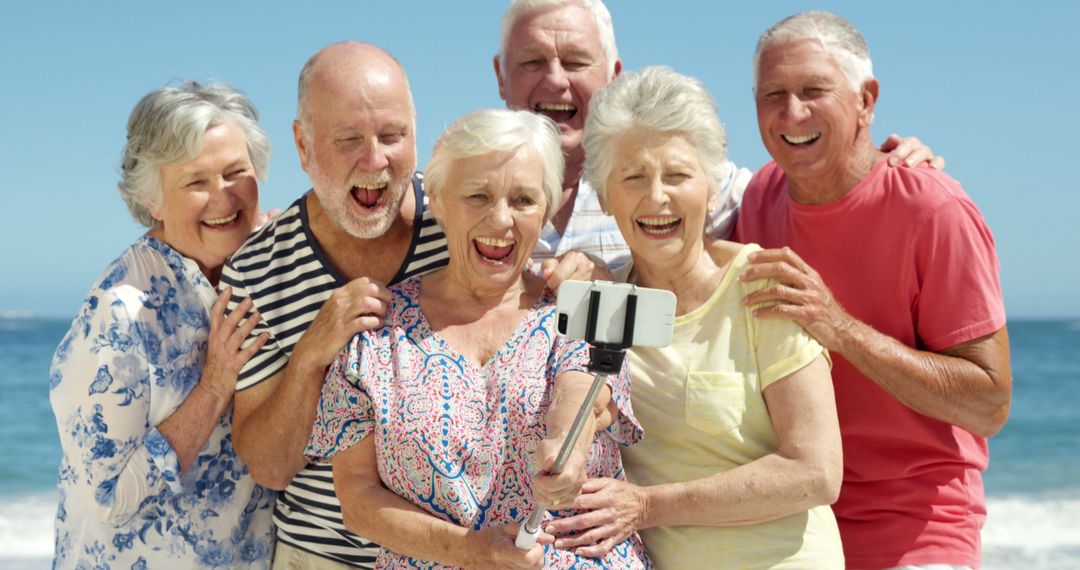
894	271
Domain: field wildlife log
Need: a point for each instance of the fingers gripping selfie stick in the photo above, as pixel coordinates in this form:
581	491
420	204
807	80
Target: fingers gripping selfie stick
604	358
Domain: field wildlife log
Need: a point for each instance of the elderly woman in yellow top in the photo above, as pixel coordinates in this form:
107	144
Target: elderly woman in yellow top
742	450
438	422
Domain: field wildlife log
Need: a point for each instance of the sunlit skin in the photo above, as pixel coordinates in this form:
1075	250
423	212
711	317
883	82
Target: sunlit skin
811	121
492	209
361	152
210	203
658	193
554	59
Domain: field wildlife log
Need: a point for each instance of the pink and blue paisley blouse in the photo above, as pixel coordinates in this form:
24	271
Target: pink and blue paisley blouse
457	440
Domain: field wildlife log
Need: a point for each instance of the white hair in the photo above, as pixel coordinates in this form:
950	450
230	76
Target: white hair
599	11
499	130
167	127
839	37
660	99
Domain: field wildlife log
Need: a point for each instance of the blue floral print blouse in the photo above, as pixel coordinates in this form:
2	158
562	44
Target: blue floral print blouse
131	357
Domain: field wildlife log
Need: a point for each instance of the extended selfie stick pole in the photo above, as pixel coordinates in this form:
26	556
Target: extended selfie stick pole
604	358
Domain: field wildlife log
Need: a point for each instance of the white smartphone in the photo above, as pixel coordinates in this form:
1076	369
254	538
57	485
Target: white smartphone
653	315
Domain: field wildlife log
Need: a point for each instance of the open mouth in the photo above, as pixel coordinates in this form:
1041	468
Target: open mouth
368	195
801	140
558	112
494	250
659	226
224	222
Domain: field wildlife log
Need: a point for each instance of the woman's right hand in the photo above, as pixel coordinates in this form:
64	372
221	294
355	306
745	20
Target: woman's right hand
494	548
613	511
226	353
554	492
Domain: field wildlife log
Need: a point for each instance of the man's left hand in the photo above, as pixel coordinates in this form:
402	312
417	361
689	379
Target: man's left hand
799	295
573	265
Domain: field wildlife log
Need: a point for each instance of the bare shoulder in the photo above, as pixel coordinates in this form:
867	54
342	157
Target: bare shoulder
722	251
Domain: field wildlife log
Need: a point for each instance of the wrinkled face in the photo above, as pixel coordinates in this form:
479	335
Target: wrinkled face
359	150
492	209
658	193
209	204
808	116
554	63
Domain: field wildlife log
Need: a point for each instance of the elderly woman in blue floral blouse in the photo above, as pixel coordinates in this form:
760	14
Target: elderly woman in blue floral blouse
142	383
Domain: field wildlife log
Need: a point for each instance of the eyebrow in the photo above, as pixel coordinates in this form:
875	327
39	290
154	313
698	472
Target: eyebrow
534	50
202	172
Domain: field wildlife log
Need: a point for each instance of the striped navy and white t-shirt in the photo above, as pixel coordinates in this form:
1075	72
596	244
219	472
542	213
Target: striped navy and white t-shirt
288	278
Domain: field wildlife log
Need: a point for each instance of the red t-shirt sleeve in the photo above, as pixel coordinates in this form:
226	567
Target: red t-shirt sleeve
958	271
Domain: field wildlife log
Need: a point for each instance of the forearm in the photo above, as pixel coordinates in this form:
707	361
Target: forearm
271	436
567	397
385	518
768	488
190	425
371	510
945	387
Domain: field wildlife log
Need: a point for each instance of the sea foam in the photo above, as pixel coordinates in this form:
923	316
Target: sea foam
26	530
1020	533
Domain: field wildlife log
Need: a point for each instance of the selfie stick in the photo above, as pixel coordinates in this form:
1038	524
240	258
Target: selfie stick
604	358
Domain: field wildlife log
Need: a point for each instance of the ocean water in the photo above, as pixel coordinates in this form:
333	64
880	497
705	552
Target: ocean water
1033	484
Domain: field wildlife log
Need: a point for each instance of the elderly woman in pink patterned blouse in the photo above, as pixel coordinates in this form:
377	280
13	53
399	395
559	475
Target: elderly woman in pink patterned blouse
441	424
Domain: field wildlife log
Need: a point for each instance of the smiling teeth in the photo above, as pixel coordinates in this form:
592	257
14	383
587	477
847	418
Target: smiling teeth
555	107
370	186
658	225
494	242
658	221
221	221
801	139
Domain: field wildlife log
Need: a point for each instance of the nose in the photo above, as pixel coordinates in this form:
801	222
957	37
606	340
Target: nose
556	74
795	108
658	190
500	215
221	193
372	158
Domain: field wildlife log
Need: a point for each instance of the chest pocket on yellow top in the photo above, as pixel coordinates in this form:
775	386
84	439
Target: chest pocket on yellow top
715	401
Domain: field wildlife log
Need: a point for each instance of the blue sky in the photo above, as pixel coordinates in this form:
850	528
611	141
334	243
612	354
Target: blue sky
992	86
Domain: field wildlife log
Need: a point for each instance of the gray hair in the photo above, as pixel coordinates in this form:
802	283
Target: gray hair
660	99
167	127
490	130
600	14
838	36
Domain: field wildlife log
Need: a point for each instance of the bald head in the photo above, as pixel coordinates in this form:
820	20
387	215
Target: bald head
348	66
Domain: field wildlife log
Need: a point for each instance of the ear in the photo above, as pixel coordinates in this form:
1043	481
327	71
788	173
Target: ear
714	199
155	212
434	204
618	69
303	147
868	99
603	202
499	77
